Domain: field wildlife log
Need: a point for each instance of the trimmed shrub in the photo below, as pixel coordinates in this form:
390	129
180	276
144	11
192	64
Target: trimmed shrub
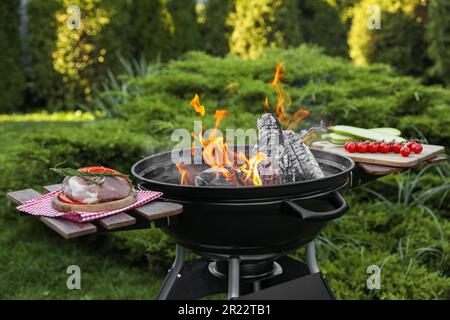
400	41
12	82
108	143
438	36
347	94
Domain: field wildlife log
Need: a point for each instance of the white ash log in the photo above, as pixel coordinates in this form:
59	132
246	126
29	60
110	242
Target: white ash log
270	142
303	165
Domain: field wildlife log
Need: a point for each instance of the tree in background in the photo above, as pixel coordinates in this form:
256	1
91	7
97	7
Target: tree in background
400	41
116	36
152	29
44	82
186	29
216	31
12	82
76	57
285	29
321	24
250	30
345	7
438	36
264	23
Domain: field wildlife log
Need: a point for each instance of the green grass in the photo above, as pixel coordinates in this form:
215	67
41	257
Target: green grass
13	126
34	260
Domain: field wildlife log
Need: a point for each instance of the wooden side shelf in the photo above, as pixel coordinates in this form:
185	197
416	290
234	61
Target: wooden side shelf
70	229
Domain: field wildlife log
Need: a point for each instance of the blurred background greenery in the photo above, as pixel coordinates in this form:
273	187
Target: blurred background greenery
113	91
61	68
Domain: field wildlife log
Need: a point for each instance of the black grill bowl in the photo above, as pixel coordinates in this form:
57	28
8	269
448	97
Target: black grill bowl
250	222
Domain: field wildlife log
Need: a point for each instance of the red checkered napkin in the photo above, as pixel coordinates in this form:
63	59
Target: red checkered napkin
42	206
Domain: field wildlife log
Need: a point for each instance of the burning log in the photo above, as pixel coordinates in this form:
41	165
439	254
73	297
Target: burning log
303	165
270	142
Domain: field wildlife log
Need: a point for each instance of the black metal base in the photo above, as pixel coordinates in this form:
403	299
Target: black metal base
195	281
248	271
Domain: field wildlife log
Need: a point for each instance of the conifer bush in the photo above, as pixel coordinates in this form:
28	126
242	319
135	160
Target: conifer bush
12	80
438	36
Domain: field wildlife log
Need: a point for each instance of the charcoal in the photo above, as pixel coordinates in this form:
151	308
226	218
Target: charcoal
303	165
215	177
270	142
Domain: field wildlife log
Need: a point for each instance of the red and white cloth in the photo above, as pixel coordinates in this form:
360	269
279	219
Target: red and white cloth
42	206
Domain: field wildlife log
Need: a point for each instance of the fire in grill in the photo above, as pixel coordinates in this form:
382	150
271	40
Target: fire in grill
279	156
251	204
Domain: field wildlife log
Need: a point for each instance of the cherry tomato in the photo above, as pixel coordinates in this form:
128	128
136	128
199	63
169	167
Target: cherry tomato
384	147
409	144
345	144
351	147
396	147
405	151
63	198
417	148
373	147
362	147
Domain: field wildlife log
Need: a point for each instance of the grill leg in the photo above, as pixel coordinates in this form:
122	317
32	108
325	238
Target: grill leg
233	278
311	258
256	286
174	272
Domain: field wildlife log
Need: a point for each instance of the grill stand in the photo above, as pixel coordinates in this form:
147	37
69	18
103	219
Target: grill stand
196	279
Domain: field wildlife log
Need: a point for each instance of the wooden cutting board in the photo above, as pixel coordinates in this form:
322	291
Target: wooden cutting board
386	159
98	207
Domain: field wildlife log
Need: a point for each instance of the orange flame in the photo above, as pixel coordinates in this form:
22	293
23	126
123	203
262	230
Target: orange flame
219	115
250	168
200	109
185	177
296	117
280	72
280	107
218	155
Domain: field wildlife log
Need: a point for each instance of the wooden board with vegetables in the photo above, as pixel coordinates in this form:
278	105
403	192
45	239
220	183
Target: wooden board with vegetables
379	146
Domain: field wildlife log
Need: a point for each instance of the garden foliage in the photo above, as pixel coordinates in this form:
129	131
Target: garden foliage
12	80
215	30
64	67
400	41
408	239
438	36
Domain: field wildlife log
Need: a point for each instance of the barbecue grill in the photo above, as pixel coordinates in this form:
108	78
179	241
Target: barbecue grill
245	233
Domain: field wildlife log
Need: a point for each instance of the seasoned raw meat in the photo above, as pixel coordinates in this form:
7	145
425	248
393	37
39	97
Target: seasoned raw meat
81	190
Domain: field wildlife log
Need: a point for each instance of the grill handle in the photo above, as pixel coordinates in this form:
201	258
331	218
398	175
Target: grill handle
308	215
